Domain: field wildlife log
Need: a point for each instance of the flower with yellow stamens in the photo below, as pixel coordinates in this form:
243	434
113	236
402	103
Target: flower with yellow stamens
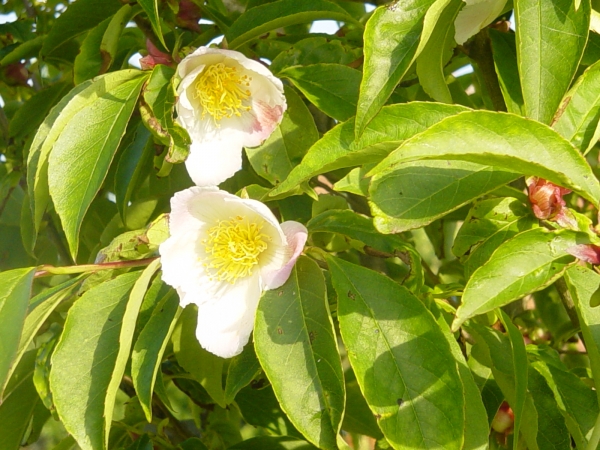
226	102
222	253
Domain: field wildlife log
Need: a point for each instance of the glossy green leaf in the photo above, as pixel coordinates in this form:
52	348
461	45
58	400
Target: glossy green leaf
40	307
241	371
401	359
391	37
438	50
491	395
80	161
577	119
283	150
583	283
338	148
85	358
293	325
79	17
149	349
528	262
15	288
505	62
551	37
333	88
262	19
150	7
490	223
415	194
358	417
130	315
498	139
205	367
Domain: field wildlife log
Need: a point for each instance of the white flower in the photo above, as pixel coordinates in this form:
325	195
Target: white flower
226	102
223	251
476	15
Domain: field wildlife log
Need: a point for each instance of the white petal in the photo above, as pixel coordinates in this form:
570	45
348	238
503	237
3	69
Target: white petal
225	324
212	162
296	235
476	15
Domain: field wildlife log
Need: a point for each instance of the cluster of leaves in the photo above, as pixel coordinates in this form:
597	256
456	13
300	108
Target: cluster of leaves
429	297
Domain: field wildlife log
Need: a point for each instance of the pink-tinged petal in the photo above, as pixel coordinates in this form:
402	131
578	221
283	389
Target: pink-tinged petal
265	119
586	252
225	323
296	235
212	162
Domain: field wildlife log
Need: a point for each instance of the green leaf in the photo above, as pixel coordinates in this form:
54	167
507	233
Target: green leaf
552	429
79	17
241	371
496	351
273	443
26	50
33	112
519	364
577	118
527	263
576	401
583	283
136	297
150	7
284	149
40	307
338	148
358	417
159	100
333	88
415	194
85	358
205	367
316	50
490	223
99	48
391	37
293	325
505	61
282	13
150	347
551	37
80	160
475	427
15	288
438	50
134	164
18	404
498	139
399	354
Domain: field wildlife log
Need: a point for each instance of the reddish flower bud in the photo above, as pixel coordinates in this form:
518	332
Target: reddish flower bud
546	199
154	57
15	74
586	252
504	419
188	15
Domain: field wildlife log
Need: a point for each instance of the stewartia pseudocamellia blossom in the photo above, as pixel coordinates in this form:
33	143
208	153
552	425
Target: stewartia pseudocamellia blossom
223	251
474	16
226	102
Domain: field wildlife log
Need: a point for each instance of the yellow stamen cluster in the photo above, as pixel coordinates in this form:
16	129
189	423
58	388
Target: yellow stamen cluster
233	247
221	91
